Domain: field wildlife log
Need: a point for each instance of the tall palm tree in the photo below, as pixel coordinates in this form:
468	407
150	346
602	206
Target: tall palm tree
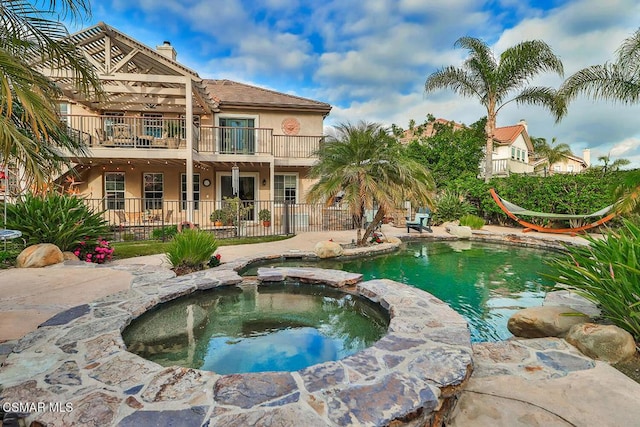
369	167
619	82
31	38
492	80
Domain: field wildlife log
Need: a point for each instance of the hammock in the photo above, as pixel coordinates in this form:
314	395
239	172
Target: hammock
514	211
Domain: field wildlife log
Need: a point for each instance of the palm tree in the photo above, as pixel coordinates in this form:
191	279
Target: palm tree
31	38
619	82
552	152
609	166
492	80
369	167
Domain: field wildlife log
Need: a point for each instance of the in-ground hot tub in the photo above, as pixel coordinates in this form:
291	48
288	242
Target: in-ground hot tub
410	376
252	328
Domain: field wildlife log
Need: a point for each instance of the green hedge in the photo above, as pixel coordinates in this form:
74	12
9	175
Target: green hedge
583	193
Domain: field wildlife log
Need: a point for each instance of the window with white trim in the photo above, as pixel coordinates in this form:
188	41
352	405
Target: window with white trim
114	190
196	191
513	153
285	188
153	190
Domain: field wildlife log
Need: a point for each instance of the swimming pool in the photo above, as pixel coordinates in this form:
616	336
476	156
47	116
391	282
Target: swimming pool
486	283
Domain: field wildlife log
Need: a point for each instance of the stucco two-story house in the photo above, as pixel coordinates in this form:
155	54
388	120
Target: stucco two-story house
511	150
164	139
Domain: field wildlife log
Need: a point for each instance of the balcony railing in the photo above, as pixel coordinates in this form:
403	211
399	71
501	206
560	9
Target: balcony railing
157	132
504	167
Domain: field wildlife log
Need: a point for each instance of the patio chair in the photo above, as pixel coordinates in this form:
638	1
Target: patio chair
122	218
167	218
421	221
101	137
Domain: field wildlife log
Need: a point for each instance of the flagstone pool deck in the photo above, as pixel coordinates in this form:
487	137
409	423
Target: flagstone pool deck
517	382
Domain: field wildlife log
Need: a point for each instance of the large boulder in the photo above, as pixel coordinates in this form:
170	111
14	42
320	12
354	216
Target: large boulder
547	321
571	299
39	255
602	342
460	231
328	249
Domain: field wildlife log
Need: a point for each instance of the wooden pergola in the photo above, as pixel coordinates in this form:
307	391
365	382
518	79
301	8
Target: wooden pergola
136	78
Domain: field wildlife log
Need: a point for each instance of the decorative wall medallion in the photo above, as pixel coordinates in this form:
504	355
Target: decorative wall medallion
290	126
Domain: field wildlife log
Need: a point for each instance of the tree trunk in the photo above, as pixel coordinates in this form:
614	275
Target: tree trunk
377	219
490	130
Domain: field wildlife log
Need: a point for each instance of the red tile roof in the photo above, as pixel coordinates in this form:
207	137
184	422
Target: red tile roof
506	135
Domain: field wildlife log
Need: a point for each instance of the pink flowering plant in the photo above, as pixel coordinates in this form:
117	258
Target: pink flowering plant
99	251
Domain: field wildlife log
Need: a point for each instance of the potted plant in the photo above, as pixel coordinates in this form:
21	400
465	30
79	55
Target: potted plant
265	216
217	217
235	209
172	132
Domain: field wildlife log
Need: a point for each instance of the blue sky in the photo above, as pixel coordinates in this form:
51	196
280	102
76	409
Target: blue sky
369	59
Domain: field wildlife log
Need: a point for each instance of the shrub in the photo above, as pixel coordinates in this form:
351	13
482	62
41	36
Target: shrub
8	256
450	206
128	237
61	219
99	251
607	272
475	222
167	232
191	249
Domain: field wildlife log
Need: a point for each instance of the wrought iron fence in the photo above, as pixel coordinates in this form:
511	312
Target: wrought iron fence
129	220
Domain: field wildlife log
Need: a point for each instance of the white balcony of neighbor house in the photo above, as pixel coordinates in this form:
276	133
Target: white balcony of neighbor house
129	136
504	167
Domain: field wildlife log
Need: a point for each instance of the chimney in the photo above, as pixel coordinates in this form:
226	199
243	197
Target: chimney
586	156
167	50
523	122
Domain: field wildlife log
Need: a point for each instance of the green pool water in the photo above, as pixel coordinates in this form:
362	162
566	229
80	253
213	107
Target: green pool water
280	327
485	283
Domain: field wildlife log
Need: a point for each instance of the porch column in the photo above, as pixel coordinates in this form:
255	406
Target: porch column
189	136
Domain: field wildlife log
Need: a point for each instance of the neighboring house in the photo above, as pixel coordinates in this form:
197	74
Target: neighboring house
161	133
511	146
426	130
511	150
572	164
569	164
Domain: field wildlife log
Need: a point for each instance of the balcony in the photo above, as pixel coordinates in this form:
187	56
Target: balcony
170	133
505	167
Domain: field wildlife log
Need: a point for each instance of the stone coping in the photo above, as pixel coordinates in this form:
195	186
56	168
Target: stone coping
77	365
